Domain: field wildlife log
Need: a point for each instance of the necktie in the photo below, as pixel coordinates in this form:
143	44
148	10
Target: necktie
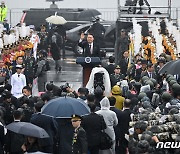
90	48
150	75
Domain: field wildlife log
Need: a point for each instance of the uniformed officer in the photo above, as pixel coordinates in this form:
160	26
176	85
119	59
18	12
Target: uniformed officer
43	45
18	81
30	66
79	143
117	76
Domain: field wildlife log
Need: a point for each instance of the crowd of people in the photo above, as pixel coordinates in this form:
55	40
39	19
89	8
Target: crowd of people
140	110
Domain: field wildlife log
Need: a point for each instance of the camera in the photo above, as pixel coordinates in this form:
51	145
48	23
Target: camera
99	80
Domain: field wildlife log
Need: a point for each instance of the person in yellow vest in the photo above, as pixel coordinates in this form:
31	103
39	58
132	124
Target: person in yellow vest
3	11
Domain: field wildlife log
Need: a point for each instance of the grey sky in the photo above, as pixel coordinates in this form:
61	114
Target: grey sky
80	3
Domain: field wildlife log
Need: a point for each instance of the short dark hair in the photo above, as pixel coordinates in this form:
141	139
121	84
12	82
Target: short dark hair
17	114
27	88
8	87
149	65
49	87
18	57
90	98
39	105
83	91
92	106
111	59
45	97
112	101
91	34
127	103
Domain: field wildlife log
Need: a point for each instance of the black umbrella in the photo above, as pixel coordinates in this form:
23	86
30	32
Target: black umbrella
88	13
27	129
64	107
111	29
74	33
171	67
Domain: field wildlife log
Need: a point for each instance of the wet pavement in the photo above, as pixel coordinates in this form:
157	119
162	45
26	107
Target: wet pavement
71	72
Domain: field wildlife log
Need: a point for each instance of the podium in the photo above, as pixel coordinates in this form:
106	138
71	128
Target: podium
87	63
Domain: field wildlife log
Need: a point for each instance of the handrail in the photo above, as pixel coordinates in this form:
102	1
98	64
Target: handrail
15	14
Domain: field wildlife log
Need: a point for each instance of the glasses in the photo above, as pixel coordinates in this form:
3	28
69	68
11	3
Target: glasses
75	120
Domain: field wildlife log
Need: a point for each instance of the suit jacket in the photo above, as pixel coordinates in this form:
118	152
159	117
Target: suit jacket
146	74
86	50
79	144
48	124
92	124
110	68
2	138
117	128
124	65
124	122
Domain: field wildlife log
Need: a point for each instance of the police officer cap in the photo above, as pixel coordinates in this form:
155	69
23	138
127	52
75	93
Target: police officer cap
162	60
76	117
42	26
166	96
141	95
117	67
19	67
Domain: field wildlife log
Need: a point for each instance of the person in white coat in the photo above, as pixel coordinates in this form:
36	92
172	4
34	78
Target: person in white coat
18	81
111	120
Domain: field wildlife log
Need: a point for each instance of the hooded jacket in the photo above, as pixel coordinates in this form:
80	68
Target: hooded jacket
117	93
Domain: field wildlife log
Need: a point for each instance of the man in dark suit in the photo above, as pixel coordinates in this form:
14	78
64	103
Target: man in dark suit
79	143
111	65
14	141
149	72
124	126
90	48
117	128
93	124
124	62
48	124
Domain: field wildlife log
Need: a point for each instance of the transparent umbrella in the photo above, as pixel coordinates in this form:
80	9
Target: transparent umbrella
55	19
